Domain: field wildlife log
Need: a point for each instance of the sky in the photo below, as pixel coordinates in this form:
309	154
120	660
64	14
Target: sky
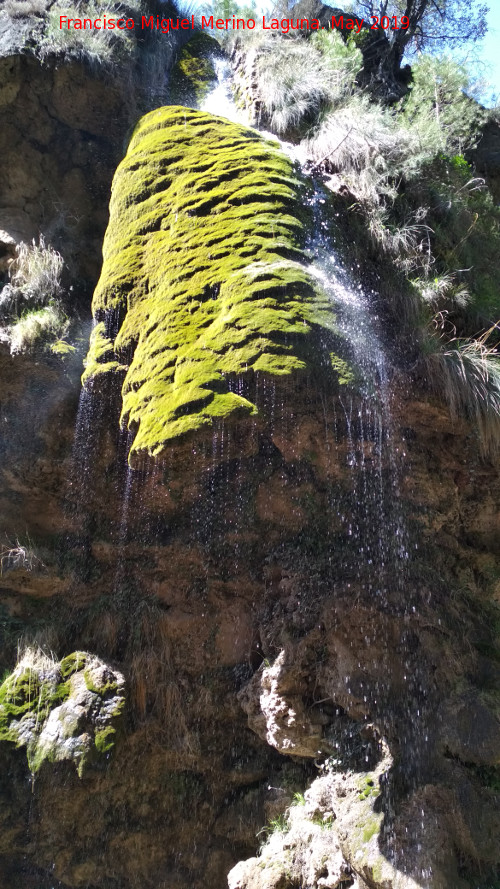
490	52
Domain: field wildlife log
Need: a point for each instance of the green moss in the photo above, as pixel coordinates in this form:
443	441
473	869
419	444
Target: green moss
370	829
203	267
194	73
344	371
23	693
19	694
368	788
104	740
98	689
100	359
29	694
72	663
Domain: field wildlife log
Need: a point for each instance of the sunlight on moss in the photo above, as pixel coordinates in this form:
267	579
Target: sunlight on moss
203	262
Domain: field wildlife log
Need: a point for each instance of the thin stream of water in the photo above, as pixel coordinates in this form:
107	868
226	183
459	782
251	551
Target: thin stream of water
374	459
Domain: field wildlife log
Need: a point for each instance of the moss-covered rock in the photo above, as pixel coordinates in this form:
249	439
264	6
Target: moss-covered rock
61	711
194	74
204	279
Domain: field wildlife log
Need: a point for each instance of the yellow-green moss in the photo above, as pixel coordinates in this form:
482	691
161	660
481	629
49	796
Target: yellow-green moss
203	267
368	787
24	694
194	74
104	740
343	369
100	358
32	695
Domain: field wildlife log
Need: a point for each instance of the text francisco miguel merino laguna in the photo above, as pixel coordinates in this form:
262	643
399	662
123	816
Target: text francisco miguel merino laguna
207	22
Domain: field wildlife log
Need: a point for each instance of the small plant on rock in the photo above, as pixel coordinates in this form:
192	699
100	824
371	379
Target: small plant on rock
31	303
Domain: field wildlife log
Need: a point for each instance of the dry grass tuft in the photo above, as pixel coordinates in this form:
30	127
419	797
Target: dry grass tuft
467	374
23	8
15	555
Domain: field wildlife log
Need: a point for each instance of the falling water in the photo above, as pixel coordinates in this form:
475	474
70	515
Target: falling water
369	421
379	545
220	100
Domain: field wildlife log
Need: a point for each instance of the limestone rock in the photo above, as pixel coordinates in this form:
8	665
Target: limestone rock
278	715
80	728
302	850
63	122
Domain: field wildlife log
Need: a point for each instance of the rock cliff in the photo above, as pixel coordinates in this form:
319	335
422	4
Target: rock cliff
271	585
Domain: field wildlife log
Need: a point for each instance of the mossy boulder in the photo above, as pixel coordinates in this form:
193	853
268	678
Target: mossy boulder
194	73
204	283
61	711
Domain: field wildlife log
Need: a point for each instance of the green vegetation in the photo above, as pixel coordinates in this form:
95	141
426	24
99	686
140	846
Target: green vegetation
72	663
299	81
38	328
99	689
98	46
368	788
31	694
31	308
194	74
280	824
429	23
104	739
25	694
402	173
203	267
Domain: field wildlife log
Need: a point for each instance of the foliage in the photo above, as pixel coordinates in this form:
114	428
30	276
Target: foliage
299	80
431	23
437	108
37	687
31	304
280	824
293	83
422	204
467	373
102	46
35	274
225	9
194	73
19	554
38	328
23	8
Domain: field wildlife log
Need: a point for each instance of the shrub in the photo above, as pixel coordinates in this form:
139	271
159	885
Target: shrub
19	554
31	304
101	47
467	374
298	79
36	272
439	111
362	142
22	8
293	84
38	328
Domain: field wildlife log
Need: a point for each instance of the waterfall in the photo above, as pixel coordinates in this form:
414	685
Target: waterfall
357	320
379	543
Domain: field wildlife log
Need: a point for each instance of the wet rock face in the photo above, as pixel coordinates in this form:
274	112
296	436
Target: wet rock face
189	338
274	634
222	578
61	136
63	129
